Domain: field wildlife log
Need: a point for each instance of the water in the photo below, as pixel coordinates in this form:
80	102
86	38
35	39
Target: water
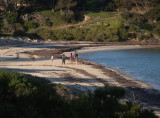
140	64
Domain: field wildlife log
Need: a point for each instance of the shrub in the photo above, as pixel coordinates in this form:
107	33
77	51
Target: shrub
19	33
46	12
22	96
68	16
18	26
45	34
48	23
30	25
56	22
154	13
1	24
11	17
122	33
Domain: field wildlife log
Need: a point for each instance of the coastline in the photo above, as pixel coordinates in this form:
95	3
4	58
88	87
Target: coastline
34	59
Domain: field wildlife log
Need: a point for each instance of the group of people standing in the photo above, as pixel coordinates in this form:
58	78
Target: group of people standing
72	58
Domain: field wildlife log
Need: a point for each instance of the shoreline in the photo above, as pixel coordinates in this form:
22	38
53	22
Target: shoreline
112	48
34	59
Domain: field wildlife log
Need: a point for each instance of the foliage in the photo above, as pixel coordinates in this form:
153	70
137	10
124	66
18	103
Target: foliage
65	4
154	13
30	97
30	25
101	14
45	34
1	24
19	33
47	12
68	16
11	17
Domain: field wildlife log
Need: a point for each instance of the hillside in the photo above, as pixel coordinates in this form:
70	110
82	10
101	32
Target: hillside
82	20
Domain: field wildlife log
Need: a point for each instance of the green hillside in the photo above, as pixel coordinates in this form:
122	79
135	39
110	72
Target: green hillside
87	20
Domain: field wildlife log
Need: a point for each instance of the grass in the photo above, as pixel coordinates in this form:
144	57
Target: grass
46	12
56	22
101	14
113	22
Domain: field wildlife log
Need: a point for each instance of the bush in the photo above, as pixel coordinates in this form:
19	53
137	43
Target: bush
30	25
1	24
122	33
19	33
45	34
68	16
22	96
154	13
11	17
18	26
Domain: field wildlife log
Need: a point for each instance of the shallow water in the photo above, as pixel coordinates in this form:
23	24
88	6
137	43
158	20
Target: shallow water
140	64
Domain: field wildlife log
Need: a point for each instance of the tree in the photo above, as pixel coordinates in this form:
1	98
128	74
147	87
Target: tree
65	4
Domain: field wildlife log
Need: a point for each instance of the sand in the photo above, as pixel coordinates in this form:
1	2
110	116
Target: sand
34	59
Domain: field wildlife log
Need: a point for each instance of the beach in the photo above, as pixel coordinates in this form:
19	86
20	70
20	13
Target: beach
34	58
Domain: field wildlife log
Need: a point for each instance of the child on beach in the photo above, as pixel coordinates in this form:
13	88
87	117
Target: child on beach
71	58
52	58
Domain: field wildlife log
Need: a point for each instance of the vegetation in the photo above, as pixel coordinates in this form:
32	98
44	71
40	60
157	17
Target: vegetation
113	20
10	17
25	96
28	25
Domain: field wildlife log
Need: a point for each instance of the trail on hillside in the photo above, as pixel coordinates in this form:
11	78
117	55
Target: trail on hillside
79	24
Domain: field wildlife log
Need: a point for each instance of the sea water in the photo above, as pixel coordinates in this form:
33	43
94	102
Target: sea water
140	64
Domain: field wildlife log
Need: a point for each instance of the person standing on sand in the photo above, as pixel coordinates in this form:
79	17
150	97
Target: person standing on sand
71	58
52	58
76	57
63	59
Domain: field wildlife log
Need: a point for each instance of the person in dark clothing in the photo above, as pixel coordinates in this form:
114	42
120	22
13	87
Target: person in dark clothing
76	57
63	59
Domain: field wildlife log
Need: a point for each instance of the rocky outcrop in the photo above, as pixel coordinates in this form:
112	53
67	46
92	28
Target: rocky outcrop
26	17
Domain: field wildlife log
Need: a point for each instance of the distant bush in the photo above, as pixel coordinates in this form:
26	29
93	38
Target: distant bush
19	33
11	17
1	24
122	33
47	12
25	96
45	34
154	13
56	22
68	16
19	26
30	25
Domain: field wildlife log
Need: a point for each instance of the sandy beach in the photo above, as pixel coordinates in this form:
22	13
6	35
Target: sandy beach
34	58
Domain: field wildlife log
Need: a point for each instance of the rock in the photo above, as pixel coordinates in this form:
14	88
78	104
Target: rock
26	17
20	39
86	18
35	41
2	8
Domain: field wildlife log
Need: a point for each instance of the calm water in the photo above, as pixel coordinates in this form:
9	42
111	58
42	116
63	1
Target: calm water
140	64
